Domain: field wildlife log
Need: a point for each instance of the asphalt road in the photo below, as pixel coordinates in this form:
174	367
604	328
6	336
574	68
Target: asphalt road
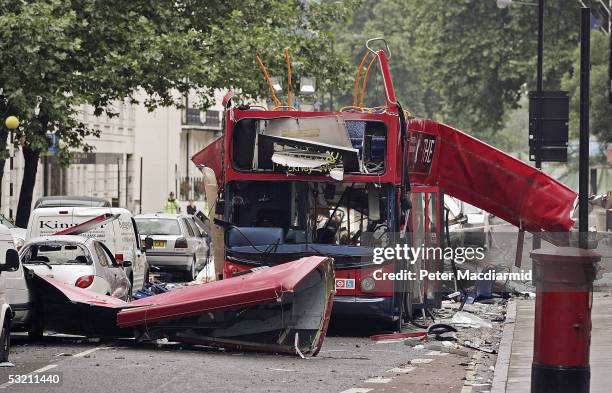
124	365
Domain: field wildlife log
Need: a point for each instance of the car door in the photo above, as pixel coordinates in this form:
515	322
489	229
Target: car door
109	270
140	267
195	245
18	293
203	248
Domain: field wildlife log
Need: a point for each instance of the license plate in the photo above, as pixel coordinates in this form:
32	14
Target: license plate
159	244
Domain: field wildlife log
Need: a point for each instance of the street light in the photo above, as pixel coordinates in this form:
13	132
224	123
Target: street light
277	84
307	85
11	123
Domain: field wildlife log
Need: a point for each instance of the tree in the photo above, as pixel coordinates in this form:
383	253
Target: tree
600	113
67	53
467	62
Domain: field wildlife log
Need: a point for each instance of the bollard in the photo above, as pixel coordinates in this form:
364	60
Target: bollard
564	296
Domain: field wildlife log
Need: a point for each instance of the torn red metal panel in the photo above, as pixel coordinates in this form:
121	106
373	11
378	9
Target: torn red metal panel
284	308
89	224
69	309
488	178
212	157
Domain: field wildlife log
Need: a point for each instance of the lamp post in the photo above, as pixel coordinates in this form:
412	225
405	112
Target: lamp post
12	123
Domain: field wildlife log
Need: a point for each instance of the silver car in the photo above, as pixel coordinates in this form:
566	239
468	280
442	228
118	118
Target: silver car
79	261
177	242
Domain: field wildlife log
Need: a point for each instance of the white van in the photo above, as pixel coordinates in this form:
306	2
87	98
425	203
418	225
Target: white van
115	227
9	262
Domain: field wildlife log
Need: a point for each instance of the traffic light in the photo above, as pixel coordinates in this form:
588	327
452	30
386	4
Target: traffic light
548	125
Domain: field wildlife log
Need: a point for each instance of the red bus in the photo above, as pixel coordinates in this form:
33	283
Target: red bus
289	183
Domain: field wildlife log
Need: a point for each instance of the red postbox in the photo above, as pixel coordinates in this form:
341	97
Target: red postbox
564	296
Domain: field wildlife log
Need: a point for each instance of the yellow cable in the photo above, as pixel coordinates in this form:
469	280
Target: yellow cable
267	77
288	60
365	82
358	78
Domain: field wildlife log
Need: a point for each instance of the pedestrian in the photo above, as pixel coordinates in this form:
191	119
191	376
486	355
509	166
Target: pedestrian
172	206
191	208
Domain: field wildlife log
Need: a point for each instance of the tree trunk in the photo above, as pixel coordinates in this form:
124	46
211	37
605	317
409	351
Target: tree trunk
27	186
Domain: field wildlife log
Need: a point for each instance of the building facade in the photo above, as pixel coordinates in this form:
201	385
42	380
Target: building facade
138	159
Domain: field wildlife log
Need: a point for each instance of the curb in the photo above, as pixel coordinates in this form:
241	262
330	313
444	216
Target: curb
500	376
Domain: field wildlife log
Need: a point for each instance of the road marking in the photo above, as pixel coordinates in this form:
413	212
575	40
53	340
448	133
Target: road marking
436	353
421	361
357	390
378	380
87	352
401	370
40	370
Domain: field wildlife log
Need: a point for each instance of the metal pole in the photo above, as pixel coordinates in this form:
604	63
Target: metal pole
539	88
118	182
140	191
45	175
583	171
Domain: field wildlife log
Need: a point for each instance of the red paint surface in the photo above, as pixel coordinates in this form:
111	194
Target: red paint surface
564	278
492	180
259	287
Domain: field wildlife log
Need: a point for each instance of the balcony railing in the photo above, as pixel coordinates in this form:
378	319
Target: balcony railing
191	188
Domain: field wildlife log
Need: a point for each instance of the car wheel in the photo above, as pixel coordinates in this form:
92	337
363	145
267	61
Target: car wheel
5	340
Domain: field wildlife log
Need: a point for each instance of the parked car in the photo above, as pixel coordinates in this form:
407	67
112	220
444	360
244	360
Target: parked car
23	303
9	261
80	261
478	226
178	243
115	227
19	234
71	201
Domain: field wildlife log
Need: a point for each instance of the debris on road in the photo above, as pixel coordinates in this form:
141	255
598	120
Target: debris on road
283	309
465	319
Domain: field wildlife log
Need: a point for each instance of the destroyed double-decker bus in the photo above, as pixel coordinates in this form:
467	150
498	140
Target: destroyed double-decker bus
289	183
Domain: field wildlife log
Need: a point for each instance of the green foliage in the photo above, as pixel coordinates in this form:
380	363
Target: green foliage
60	54
600	112
467	62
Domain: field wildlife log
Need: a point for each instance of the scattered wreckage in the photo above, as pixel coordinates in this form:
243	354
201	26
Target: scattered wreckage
282	309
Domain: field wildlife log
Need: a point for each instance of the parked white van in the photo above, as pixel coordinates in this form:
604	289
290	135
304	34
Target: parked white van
115	227
9	262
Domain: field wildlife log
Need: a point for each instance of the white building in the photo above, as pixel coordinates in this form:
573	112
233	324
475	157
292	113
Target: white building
163	141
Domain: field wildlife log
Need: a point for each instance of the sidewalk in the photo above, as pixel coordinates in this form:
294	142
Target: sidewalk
513	367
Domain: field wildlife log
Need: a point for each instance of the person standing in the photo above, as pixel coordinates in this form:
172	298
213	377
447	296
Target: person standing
172	206
191	208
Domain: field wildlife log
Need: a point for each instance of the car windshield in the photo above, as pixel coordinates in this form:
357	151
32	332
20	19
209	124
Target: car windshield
158	226
56	254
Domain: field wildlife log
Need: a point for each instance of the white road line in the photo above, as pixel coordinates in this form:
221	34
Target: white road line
401	370
40	370
378	380
436	353
421	361
87	352
357	390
